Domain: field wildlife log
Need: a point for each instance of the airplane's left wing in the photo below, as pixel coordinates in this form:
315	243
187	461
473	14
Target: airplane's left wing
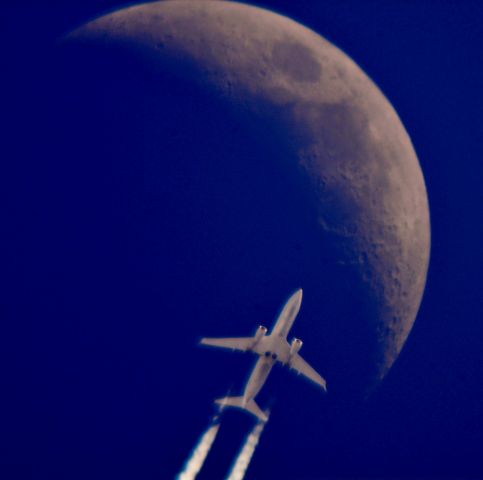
298	364
238	343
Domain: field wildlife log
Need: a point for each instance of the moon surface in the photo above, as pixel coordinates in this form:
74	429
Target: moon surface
254	153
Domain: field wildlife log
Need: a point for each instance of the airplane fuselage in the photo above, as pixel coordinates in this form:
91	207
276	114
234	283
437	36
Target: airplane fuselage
274	349
258	377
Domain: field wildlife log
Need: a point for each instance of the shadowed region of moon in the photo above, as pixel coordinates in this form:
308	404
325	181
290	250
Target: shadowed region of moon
230	155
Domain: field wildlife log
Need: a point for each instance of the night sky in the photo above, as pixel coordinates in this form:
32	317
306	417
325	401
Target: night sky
92	399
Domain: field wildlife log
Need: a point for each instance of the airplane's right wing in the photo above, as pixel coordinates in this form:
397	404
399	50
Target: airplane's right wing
298	364
238	343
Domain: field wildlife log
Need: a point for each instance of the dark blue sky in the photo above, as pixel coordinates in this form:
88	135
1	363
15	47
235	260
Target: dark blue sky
90	400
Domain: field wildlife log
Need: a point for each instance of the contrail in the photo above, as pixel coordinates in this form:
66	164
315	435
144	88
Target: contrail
243	460
200	452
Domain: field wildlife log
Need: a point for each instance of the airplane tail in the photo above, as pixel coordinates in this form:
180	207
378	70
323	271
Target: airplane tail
239	402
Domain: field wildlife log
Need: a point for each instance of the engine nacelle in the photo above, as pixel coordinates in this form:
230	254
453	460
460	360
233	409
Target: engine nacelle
261	332
295	346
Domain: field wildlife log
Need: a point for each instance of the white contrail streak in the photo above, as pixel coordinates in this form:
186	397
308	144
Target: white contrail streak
243	460
195	462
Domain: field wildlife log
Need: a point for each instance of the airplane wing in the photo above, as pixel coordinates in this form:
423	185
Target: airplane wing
239	343
298	364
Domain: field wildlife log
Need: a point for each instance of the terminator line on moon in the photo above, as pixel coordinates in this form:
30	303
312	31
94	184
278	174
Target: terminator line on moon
346	210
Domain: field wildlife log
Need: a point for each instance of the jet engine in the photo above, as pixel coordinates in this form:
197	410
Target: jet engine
295	346
261	332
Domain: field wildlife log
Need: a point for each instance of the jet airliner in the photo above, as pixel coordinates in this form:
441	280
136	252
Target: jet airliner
271	348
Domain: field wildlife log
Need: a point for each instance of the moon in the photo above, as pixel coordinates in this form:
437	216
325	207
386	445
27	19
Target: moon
254	153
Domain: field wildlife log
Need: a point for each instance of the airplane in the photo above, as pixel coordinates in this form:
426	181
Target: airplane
271	348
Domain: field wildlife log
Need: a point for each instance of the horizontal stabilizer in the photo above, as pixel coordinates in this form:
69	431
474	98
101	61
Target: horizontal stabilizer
239	402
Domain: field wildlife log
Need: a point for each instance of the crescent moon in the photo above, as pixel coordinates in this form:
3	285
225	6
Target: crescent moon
353	224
